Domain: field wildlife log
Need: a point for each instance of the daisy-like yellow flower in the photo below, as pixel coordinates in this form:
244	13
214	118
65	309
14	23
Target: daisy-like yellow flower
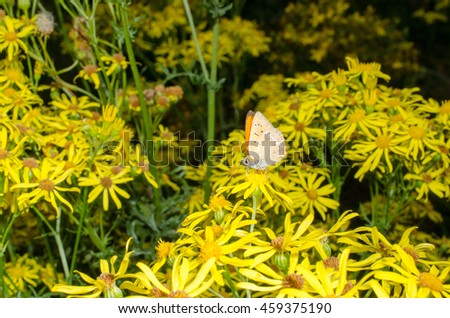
217	208
417	139
327	95
9	155
415	283
335	285
267	282
11	76
358	119
46	186
20	273
375	153
431	180
367	71
74	107
292	240
105	283
114	62
105	182
186	279
257	183
218	242
12	33
299	129
90	73
312	196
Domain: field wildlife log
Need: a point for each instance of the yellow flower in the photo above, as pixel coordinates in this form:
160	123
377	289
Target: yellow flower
11	35
11	76
114	62
105	182
257	183
312	197
368	71
105	283
271	283
415	283
185	281
358	119
375	153
218	242
74	107
426	181
417	139
24	271
46	186
299	129
217	209
9	156
292	240
336	285
89	73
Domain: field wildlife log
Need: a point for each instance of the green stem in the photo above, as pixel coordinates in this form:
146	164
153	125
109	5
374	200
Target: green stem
146	118
78	235
3	244
195	38
211	111
57	235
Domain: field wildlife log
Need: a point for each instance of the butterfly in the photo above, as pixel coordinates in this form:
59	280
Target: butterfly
265	144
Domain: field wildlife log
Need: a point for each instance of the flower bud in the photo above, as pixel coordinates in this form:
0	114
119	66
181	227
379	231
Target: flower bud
24	4
281	260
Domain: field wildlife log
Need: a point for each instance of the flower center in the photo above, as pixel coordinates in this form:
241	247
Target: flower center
382	142
430	281
416	132
178	294
300	126
30	163
411	251
396	118
118	57
293	281
394	102
106	182
163	249
218	203
357	116
210	249
166	135
13	75
3	153
331	262
116	169
73	107
347	288
284	174
10	36
47	185
9	92
326	93
108	278
312	194
427	178
277	243
90	69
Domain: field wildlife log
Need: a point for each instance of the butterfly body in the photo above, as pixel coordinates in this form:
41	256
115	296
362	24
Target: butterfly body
266	145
